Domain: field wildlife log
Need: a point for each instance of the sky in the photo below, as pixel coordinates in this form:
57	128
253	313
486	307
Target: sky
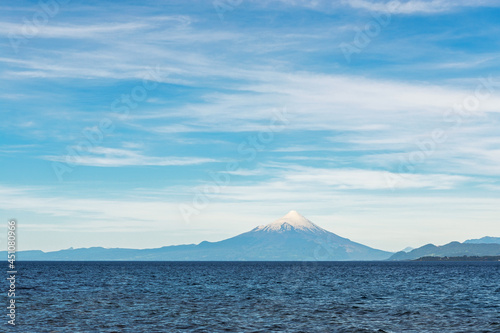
146	124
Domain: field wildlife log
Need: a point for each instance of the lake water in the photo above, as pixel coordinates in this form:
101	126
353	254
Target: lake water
257	297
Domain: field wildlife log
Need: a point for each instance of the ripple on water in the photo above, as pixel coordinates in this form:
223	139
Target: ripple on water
258	297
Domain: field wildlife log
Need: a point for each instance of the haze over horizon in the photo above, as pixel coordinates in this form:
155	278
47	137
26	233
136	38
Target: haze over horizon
189	122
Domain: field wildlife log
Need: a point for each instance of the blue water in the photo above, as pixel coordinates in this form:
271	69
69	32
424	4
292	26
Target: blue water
257	297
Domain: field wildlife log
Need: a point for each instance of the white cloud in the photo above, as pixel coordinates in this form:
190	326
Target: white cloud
99	31
370	113
71	31
122	214
112	157
418	6
349	179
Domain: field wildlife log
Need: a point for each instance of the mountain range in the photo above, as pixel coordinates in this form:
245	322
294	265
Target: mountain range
289	238
484	240
453	249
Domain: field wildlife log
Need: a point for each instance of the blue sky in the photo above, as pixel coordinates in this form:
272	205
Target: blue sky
171	122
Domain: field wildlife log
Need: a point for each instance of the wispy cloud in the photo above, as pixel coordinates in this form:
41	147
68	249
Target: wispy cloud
73	31
348	125
418	6
112	157
87	213
346	179
9	149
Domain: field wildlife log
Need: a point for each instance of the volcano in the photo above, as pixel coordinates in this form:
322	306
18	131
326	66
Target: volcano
289	238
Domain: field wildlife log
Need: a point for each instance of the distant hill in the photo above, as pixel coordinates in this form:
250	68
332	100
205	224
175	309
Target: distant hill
290	238
484	240
453	249
408	249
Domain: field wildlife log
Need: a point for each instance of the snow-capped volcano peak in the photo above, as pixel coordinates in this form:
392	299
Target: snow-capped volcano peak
291	221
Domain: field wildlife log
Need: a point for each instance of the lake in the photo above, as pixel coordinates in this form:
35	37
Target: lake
257	297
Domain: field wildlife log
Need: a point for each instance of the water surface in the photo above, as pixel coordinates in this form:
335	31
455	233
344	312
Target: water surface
258	297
